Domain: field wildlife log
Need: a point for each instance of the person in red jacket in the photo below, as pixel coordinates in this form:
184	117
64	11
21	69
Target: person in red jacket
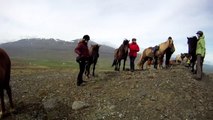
134	48
82	58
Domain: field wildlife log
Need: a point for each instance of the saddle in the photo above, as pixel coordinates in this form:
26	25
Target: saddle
154	49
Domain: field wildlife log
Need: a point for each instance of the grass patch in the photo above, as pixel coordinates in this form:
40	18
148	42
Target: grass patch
43	63
103	64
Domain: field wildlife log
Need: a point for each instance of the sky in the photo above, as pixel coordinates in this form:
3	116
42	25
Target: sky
109	22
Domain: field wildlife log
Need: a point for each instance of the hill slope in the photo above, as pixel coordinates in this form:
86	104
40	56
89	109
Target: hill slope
170	94
50	49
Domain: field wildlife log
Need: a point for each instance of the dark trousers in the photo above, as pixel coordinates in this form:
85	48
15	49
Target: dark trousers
132	63
82	65
200	60
168	56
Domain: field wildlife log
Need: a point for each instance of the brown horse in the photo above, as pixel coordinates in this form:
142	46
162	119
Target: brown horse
5	68
94	55
149	54
121	54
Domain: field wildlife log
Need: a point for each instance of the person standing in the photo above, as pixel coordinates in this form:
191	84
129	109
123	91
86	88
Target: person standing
82	58
134	48
200	53
169	53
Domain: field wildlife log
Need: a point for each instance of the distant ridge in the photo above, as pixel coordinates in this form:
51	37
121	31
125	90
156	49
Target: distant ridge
49	49
58	50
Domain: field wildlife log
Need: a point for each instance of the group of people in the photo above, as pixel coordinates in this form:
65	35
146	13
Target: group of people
83	55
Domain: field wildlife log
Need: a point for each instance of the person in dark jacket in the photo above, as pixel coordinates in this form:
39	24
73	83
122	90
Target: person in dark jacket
82	58
133	49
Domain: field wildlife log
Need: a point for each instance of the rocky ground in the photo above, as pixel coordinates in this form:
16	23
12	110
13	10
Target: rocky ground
44	93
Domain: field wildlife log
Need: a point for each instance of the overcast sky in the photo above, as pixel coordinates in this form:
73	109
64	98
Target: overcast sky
151	22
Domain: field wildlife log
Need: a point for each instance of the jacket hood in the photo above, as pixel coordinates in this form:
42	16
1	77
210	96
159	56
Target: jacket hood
202	37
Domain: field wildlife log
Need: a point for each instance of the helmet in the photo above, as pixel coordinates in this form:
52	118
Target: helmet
200	33
170	38
86	37
133	39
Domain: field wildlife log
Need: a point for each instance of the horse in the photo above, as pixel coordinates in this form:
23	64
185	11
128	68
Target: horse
5	70
182	58
192	44
93	58
121	54
158	54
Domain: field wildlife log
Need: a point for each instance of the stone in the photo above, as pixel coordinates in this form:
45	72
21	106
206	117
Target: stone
79	105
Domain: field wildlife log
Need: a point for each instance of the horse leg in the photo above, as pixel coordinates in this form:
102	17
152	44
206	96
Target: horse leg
93	72
159	63
87	71
147	62
156	63
116	64
9	93
124	64
119	65
142	63
193	63
2	102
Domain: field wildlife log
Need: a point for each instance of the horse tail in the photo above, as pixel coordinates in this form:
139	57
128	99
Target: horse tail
114	62
139	63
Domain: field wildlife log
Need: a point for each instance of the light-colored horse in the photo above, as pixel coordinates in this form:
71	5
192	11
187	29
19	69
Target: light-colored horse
182	58
148	53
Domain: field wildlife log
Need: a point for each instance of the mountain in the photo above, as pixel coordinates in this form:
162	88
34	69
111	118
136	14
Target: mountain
58	50
208	68
49	49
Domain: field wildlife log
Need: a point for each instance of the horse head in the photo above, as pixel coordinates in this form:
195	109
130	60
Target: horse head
171	45
95	47
94	50
126	45
126	42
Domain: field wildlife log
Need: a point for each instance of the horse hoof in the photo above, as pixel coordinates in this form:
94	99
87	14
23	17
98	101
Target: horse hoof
2	115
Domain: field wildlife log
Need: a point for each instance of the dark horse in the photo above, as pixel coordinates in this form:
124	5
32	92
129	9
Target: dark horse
94	54
5	68
119	54
192	44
